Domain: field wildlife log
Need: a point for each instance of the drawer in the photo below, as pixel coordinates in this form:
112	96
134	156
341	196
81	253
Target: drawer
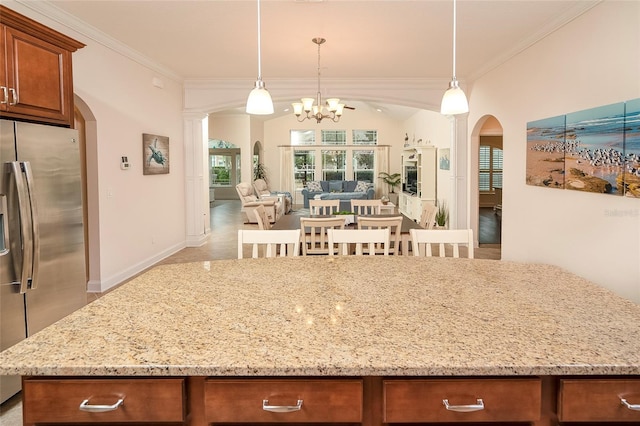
144	400
284	400
417	400
599	400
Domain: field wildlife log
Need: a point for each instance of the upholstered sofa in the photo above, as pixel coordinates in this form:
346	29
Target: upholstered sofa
344	190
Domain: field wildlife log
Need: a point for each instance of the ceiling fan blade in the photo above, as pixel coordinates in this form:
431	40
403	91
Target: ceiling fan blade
349	107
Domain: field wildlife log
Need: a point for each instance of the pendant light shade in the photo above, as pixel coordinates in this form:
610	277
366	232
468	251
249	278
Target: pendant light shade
454	100
259	101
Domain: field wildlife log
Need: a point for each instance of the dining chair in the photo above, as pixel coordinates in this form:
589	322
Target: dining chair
274	242
394	224
361	207
422	239
428	216
345	237
315	241
262	217
323	207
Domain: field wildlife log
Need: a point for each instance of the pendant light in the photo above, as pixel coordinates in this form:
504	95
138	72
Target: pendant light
259	101
454	100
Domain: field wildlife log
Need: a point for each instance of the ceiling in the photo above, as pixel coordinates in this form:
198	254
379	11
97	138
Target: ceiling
392	39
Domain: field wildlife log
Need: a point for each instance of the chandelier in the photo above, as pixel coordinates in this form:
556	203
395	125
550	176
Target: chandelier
332	109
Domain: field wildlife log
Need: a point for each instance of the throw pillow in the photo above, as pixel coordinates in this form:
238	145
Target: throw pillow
314	186
350	185
335	186
362	186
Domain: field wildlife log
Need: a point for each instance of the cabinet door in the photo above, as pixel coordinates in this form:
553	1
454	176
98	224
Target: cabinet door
38	78
4	92
115	400
284	401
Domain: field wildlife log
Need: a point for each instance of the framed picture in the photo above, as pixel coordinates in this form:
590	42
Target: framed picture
155	154
444	158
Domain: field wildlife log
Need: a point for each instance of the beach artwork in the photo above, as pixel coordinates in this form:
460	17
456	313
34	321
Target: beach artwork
594	150
631	178
545	152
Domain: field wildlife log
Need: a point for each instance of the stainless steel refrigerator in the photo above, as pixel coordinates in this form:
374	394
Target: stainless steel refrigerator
42	260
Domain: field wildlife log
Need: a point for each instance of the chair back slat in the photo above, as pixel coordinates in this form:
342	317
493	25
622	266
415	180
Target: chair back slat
345	237
273	242
262	217
422	239
428	216
323	207
394	224
316	240
362	207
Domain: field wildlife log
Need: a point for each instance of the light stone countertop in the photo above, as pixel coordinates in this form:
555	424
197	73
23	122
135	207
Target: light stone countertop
352	316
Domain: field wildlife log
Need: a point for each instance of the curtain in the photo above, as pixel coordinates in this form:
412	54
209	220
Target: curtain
286	169
381	164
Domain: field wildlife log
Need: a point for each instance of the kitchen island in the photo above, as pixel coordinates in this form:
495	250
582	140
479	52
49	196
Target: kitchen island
346	339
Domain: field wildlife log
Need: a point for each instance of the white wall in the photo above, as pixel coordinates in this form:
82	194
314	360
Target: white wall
592	61
141	219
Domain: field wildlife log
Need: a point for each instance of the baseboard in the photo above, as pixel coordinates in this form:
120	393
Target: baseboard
115	280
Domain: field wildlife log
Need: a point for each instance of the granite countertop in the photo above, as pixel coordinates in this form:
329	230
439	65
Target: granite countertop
352	316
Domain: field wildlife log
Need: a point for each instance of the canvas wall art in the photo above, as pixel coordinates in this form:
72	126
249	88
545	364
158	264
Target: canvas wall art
545	152
595	150
444	159
155	154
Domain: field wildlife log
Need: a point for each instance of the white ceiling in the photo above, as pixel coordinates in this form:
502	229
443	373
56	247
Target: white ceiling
395	39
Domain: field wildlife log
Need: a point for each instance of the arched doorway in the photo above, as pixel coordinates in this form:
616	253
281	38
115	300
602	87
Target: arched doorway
487	186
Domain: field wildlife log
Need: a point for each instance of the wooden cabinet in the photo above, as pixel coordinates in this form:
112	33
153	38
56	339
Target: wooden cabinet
284	400
419	184
599	400
36	82
69	400
462	400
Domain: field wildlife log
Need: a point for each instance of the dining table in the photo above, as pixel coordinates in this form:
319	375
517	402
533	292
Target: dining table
292	221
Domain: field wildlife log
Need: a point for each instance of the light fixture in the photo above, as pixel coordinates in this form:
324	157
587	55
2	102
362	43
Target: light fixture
333	106
259	101
454	100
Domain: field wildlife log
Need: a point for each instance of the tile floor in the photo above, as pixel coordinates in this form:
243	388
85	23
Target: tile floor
222	244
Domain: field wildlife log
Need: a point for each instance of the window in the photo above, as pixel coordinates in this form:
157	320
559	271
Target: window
365	137
334	137
490	166
303	137
333	165
304	164
363	165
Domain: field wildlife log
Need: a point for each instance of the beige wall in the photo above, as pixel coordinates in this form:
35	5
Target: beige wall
592	61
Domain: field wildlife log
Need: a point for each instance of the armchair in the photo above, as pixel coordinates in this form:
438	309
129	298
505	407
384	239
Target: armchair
249	201
262	190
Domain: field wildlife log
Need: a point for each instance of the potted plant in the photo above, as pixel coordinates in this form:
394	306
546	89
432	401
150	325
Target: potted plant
393	180
442	215
259	172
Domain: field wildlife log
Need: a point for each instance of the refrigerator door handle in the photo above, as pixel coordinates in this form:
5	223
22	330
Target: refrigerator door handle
4	225
23	260
35	226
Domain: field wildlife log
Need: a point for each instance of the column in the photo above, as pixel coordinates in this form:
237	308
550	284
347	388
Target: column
196	185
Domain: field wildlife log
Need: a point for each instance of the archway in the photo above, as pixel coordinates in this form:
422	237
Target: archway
86	124
486	182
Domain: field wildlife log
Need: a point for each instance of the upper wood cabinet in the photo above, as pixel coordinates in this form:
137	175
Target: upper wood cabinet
36	81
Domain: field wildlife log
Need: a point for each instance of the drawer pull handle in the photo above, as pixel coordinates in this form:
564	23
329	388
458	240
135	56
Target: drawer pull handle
634	407
479	405
84	406
281	408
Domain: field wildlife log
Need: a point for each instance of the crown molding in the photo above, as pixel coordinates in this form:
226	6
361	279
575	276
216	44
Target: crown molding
50	11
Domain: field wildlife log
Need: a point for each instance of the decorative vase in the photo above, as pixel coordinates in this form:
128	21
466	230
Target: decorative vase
384	199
